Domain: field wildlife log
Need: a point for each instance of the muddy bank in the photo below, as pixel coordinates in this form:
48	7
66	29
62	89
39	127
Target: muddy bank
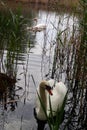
57	5
34	1
66	3
51	5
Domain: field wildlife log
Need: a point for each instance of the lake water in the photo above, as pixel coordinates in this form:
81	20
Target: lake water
36	62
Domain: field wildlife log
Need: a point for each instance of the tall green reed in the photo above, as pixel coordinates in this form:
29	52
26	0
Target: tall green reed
11	35
12	38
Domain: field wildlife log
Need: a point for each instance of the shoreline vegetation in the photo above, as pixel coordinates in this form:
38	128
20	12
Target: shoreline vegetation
57	4
65	3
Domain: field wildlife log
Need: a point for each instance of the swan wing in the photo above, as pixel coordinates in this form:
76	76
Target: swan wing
57	99
40	26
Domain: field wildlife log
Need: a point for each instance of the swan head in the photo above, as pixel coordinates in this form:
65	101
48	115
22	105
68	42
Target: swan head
35	19
45	85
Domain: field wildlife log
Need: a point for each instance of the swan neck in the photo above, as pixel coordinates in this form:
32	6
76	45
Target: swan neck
43	96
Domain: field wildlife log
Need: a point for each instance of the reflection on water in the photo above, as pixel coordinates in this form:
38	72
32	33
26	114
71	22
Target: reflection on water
50	53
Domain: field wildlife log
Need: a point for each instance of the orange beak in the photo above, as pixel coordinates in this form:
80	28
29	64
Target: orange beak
49	89
50	92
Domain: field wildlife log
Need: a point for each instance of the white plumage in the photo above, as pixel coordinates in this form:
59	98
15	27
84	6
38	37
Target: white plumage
57	97
37	27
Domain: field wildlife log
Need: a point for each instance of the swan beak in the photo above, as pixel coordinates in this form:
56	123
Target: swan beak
49	89
50	92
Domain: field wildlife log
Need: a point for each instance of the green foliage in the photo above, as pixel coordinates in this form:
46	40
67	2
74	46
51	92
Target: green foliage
12	36
11	25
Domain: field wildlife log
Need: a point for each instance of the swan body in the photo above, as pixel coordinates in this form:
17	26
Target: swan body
57	97
37	27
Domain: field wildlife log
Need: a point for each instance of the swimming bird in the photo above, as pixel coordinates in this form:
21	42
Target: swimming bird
57	92
38	27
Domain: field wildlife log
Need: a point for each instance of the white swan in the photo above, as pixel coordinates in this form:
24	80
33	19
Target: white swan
57	95
37	27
